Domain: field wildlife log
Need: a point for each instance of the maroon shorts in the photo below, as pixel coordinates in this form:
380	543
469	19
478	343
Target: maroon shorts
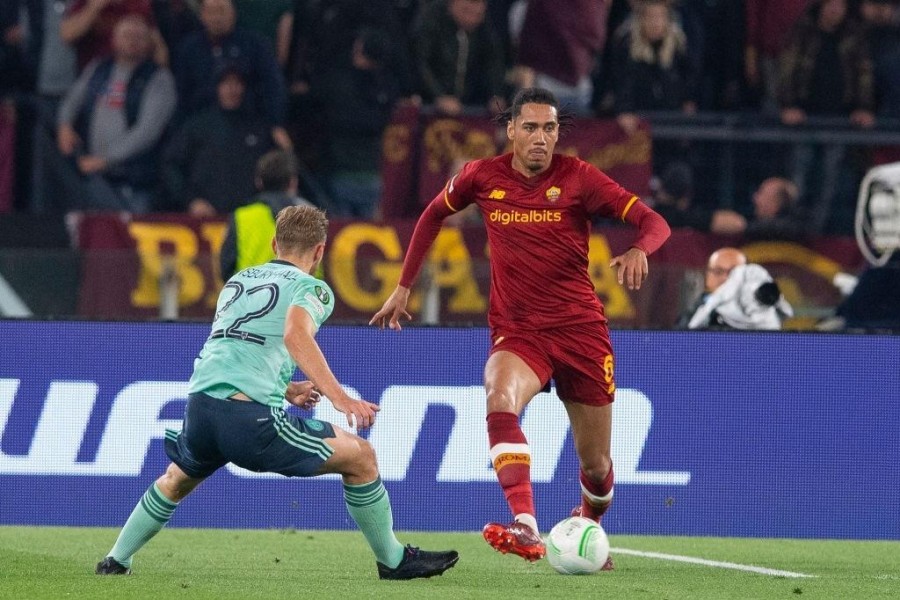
578	358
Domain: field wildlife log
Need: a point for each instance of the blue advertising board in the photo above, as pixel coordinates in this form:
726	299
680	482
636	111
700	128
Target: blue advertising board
715	433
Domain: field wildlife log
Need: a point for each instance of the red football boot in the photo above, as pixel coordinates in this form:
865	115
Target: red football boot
516	538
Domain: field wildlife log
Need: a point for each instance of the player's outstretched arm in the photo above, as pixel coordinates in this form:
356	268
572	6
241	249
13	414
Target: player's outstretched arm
300	341
394	308
427	228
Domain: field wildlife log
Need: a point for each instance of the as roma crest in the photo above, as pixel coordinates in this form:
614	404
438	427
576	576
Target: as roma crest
553	194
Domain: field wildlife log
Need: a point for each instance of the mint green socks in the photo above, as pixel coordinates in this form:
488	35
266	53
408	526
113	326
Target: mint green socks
368	504
147	519
370	507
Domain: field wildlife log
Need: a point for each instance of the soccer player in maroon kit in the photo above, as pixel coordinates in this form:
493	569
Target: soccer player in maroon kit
545	318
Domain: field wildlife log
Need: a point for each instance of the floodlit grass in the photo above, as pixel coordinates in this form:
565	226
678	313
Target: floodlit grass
57	562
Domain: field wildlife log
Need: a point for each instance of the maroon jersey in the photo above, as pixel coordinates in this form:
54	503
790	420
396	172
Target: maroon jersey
538	231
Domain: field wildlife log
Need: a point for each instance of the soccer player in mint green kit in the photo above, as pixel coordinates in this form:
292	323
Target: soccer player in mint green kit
264	328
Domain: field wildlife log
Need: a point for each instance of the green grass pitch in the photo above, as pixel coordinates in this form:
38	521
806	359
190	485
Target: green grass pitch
57	562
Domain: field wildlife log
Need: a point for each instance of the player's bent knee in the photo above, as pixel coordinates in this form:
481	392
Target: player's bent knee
354	458
501	401
366	463
175	484
598	469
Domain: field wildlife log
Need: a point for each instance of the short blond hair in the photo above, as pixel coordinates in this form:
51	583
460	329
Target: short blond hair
299	228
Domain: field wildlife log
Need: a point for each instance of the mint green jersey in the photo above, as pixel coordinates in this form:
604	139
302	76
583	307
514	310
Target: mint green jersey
245	351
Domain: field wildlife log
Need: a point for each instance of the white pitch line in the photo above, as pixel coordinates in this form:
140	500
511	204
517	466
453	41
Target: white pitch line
710	563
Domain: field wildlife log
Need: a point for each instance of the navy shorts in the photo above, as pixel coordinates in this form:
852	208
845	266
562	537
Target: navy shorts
249	434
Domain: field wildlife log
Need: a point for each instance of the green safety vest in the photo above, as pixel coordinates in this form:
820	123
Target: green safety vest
254	229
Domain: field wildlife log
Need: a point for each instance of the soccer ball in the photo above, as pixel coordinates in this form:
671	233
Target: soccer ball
577	546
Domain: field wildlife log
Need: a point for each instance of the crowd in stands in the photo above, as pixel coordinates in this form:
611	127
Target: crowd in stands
167	105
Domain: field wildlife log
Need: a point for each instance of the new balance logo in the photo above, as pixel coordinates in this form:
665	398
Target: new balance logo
497	195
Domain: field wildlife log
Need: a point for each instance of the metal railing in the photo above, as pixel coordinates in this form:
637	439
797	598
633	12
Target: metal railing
756	127
727	138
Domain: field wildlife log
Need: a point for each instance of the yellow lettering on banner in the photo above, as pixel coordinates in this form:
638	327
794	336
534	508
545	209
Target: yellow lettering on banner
395	143
343	263
214	234
451	267
441	145
794	295
150	238
636	150
793	254
615	298
449	259
449	140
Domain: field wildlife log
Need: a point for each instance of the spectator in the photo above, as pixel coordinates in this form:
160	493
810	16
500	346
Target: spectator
458	56
825	71
713	29
7	154
748	299
358	101
873	304
652	69
88	27
208	168
873	301
323	37
175	20
500	15
776	212
112	120
252	227
620	12
577	35
16	71
826	68
674	200
719	266
272	19
202	54
55	75
880	18
324	32
16	116
769	24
